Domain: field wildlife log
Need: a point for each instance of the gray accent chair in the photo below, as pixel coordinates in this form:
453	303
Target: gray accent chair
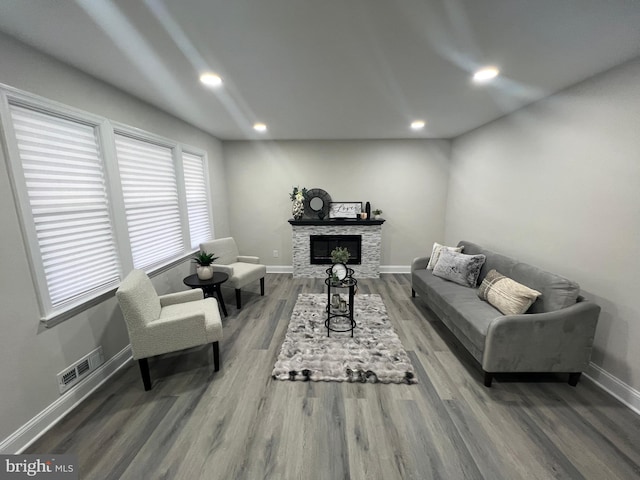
242	269
166	323
555	335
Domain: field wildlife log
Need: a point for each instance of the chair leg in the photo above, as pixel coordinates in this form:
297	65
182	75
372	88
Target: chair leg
488	378
238	299
216	356
144	371
262	286
413	293
574	378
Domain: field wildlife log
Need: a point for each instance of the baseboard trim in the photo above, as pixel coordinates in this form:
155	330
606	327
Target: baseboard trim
36	427
614	387
383	269
279	269
395	269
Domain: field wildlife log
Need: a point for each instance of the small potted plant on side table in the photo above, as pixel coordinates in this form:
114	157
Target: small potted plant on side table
204	261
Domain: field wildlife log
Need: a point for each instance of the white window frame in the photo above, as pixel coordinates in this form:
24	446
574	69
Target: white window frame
205	164
143	136
105	133
9	95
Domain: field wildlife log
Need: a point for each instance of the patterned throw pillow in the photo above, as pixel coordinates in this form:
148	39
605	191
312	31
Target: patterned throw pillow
435	253
507	295
459	268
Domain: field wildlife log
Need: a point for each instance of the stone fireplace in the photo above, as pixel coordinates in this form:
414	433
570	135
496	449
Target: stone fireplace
369	233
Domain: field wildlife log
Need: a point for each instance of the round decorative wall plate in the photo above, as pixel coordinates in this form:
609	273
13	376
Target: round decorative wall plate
316	204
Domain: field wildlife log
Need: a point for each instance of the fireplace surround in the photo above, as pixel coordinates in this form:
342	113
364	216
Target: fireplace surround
370	232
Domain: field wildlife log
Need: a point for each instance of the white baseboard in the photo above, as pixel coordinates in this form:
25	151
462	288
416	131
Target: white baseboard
36	427
383	269
614	387
279	269
395	269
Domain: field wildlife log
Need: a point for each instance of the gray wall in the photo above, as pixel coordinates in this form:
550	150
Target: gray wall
407	179
557	184
32	358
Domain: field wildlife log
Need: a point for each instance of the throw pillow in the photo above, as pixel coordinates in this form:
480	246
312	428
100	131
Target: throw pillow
507	295
459	268
435	254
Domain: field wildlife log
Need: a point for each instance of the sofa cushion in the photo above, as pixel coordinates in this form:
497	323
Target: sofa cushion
507	295
557	292
435	253
458	267
459	308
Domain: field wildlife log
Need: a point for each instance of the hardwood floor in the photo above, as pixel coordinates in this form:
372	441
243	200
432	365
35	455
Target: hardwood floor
239	423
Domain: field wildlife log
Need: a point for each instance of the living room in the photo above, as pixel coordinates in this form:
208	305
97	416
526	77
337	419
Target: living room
553	183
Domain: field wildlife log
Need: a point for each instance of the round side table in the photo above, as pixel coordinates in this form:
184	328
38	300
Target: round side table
209	287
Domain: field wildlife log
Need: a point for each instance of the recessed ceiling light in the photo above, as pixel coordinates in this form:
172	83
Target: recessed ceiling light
485	74
418	124
211	79
260	127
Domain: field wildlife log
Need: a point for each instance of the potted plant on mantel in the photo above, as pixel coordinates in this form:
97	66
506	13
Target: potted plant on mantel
376	213
204	261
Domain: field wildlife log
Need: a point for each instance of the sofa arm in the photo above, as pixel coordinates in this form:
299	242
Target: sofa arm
559	341
181	297
169	334
419	263
223	269
248	259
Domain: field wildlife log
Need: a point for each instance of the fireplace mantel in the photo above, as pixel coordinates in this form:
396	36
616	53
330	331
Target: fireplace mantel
335	221
369	230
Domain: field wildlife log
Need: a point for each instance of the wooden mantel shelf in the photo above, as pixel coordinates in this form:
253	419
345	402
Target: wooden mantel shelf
335	221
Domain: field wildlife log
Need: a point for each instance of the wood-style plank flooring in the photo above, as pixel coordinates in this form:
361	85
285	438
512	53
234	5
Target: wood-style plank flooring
239	423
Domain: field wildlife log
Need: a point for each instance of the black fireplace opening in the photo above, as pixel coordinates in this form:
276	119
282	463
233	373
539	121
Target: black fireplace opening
323	245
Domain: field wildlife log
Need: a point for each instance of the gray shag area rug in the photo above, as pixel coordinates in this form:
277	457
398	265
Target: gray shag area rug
374	354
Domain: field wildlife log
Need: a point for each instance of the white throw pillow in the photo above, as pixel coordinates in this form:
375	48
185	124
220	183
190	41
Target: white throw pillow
507	295
435	253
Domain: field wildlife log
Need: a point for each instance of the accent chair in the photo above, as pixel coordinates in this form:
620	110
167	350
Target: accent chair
166	323
242	269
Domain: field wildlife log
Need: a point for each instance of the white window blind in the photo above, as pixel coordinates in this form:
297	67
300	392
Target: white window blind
150	191
197	198
65	184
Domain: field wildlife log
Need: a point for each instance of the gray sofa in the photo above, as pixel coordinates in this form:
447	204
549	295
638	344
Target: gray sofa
554	335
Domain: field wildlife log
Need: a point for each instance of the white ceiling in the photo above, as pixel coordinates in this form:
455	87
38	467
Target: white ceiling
332	69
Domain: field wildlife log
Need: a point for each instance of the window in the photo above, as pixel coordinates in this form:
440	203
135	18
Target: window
195	180
62	175
150	192
97	200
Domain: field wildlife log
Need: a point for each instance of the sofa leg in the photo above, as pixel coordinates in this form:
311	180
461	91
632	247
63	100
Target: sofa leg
216	356
144	371
262	286
574	378
413	293
488	378
238	299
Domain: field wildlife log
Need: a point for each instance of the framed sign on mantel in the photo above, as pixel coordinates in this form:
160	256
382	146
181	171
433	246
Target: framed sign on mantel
345	209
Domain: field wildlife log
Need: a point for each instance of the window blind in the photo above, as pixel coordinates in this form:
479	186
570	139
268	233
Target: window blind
149	188
65	184
197	198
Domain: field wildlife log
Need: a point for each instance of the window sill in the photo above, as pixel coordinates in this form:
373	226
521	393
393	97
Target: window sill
73	310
